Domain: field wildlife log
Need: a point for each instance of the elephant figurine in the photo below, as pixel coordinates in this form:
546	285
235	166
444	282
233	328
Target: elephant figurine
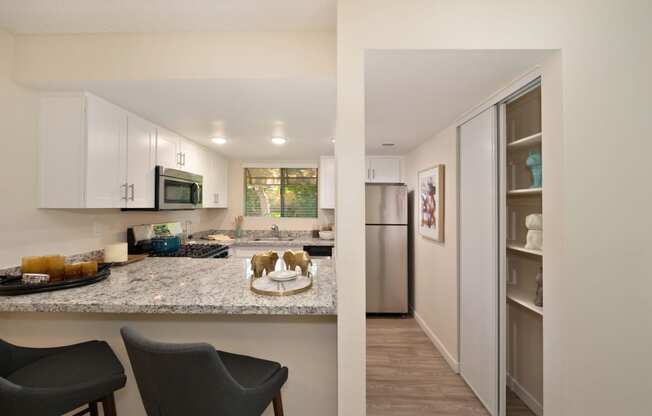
264	262
301	259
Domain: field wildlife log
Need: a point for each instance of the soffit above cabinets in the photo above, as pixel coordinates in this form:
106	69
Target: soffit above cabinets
144	16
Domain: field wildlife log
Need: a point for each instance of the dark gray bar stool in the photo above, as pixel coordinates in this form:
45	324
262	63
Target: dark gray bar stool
195	379
54	381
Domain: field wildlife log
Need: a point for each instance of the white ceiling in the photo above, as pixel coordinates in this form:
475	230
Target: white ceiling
93	16
247	112
412	95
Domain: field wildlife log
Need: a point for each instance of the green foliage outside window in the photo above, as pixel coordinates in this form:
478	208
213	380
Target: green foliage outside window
281	192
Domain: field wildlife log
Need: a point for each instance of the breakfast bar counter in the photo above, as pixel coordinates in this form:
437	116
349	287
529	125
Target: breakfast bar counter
194	300
183	286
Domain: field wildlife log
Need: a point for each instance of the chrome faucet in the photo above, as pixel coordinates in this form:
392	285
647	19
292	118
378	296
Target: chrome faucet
275	231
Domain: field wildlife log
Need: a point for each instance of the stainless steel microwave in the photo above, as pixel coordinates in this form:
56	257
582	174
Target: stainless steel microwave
176	189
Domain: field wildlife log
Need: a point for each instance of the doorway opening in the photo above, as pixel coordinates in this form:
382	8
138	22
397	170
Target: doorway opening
453	351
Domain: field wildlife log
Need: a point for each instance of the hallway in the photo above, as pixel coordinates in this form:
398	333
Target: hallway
407	376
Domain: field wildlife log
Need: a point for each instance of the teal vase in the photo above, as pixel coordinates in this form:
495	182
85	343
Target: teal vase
533	163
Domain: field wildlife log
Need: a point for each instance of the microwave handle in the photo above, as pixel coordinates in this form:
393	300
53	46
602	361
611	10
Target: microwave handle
194	196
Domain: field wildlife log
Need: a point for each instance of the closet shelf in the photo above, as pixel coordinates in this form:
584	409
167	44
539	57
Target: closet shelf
521	249
526	142
524	301
524	192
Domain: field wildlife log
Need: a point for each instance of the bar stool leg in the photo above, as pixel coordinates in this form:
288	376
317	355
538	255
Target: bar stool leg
108	405
92	407
278	405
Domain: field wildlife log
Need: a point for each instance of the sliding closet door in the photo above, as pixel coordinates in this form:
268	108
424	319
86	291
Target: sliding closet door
478	256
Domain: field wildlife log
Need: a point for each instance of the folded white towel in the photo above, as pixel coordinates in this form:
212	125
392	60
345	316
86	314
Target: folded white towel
534	222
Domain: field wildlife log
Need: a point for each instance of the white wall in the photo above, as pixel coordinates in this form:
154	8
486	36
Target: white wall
434	264
152	56
596	345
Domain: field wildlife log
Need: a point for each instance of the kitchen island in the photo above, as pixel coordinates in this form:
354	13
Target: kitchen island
191	300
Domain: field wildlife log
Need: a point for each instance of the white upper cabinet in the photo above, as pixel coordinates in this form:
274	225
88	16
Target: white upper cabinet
215	181
106	152
327	182
94	154
222	188
167	149
141	141
191	157
384	169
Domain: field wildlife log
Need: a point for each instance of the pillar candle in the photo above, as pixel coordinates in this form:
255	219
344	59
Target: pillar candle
116	253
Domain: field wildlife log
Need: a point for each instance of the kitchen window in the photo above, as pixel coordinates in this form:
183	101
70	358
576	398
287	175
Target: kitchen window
280	192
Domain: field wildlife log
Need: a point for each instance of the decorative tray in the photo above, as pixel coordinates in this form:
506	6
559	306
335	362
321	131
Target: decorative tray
14	286
268	287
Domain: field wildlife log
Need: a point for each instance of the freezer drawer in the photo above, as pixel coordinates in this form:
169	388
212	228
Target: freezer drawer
386	260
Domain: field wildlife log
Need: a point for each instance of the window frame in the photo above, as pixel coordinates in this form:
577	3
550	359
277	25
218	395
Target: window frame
282	185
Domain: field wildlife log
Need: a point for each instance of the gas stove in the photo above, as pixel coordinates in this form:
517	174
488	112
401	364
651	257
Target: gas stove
197	251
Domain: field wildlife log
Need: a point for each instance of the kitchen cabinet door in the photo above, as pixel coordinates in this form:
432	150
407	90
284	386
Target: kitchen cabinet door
141	137
384	169
190	157
215	183
208	178
167	149
327	182
222	181
106	154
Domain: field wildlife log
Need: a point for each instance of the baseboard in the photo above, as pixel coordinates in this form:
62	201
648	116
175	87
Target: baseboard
452	362
525	396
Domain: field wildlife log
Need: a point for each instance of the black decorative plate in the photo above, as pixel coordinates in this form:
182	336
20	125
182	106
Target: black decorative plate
14	286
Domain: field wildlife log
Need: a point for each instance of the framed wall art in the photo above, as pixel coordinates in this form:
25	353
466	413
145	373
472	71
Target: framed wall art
431	202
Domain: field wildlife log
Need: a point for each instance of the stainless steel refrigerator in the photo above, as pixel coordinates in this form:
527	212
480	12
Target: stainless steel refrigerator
386	219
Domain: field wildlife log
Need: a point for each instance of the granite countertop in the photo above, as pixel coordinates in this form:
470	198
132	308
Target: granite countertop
183	286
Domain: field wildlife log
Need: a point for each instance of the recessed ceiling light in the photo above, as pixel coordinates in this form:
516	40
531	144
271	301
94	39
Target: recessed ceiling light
332	140
218	140
388	144
279	140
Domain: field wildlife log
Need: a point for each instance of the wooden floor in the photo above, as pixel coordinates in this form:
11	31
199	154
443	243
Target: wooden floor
515	407
407	376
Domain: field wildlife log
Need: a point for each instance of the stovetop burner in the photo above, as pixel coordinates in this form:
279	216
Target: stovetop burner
198	251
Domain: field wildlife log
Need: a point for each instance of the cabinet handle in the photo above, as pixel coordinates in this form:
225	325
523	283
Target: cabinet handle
373	173
368	173
217	198
178	159
124	185
132	192
184	159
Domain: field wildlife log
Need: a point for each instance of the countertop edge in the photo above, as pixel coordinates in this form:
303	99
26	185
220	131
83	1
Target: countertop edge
173	310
